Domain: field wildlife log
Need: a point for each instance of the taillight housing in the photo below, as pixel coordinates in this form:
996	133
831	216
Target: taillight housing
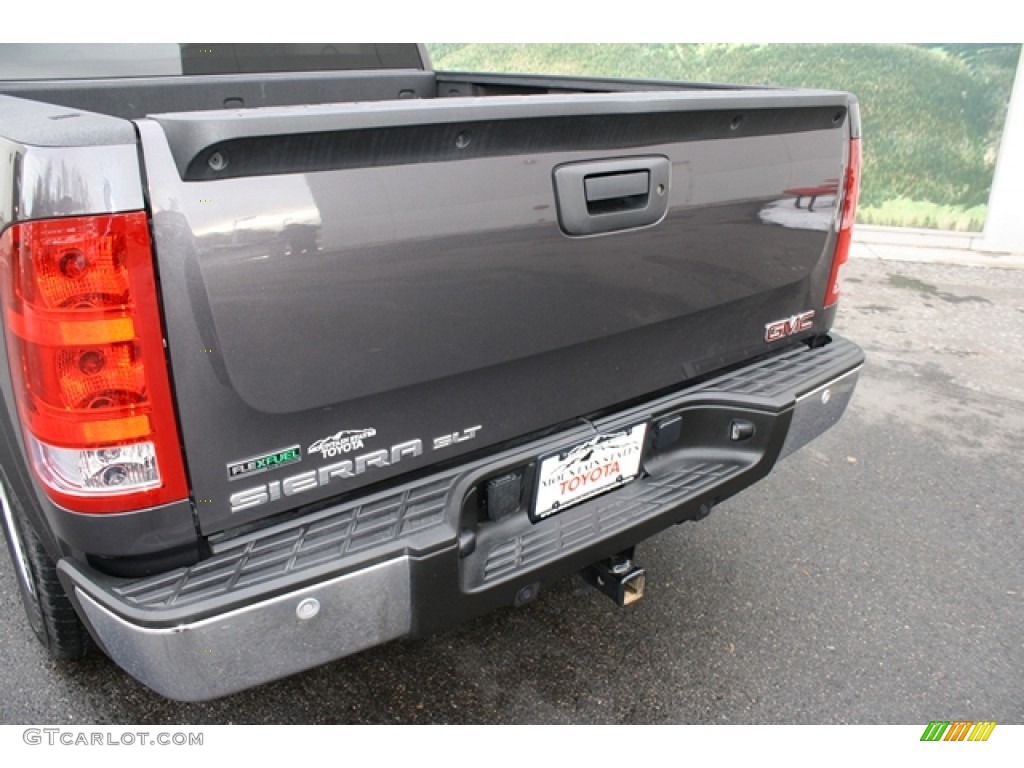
851	191
86	352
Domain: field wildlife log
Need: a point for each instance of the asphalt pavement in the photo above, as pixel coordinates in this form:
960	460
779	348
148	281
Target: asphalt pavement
875	577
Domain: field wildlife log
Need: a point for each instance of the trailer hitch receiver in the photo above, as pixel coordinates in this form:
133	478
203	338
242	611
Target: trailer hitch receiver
618	576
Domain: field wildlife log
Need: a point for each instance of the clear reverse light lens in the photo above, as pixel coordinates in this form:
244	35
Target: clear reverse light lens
92	472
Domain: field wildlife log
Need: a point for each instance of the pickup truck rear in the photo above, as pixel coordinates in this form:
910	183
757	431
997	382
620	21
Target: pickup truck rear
301	362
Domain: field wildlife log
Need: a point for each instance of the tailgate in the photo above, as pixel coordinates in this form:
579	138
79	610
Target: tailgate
354	292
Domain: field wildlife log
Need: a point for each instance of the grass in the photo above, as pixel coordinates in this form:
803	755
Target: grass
921	214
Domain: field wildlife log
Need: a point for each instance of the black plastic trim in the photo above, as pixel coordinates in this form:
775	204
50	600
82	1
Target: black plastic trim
461	139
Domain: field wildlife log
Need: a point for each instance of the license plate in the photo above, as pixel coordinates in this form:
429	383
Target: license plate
583	471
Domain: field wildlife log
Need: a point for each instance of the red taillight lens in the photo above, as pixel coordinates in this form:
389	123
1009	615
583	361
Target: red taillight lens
851	191
87	361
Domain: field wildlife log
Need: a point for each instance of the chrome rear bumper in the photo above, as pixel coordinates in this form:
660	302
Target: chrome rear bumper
264	641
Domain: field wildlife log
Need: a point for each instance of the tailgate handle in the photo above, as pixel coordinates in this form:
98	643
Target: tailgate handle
610	195
624	187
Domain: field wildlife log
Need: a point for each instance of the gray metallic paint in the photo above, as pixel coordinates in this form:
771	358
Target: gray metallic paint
40	124
62	181
427	298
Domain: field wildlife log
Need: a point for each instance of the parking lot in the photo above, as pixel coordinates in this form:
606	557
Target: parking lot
874	577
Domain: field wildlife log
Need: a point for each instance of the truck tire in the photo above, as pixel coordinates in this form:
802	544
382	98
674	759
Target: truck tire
49	611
